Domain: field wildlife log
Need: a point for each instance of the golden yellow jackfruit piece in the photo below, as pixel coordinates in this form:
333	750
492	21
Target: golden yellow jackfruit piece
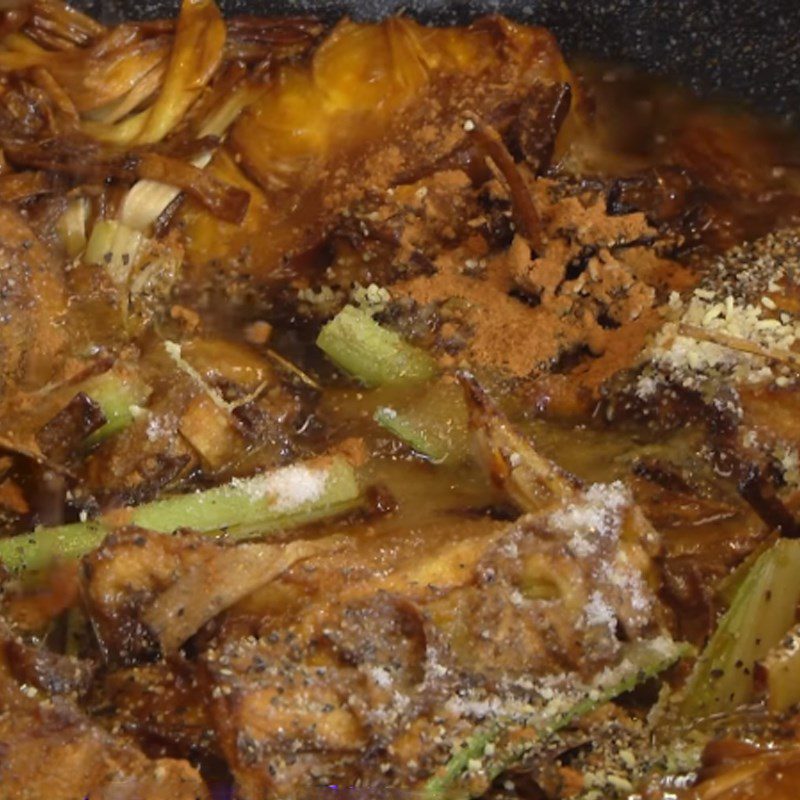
364	76
375	102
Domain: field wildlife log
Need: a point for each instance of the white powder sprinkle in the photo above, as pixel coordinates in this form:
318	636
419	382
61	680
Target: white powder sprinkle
595	514
789	462
288	487
381	676
158	427
646	387
599	613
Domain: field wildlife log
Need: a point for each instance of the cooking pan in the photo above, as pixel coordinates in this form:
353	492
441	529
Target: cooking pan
737	48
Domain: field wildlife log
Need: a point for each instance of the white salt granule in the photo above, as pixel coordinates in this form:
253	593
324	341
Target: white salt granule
596	514
599	613
646	387
287	488
381	676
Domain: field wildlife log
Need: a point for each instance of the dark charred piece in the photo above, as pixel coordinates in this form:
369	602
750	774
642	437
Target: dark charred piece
66	431
532	136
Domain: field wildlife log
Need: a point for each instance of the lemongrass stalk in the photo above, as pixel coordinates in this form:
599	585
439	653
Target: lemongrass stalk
372	354
118	392
115	246
284	498
761	613
434	425
493	749
35	550
779	673
71	226
224	115
147	200
293	495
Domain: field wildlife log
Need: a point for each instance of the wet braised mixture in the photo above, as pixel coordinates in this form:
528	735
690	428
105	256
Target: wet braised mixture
390	411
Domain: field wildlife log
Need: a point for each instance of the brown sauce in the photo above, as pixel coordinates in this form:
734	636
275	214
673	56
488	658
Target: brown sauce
538	224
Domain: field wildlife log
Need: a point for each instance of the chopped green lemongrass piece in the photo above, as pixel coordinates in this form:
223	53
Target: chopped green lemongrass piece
114	246
71	226
266	502
761	613
779	672
726	589
117	392
434	424
147	200
492	749
283	498
342	495
35	550
372	354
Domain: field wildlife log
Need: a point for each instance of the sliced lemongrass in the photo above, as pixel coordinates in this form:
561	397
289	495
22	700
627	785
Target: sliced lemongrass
71	226
762	611
245	508
147	200
115	246
371	353
118	392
